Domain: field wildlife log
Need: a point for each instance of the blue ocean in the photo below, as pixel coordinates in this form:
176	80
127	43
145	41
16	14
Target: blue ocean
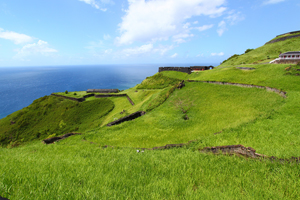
20	86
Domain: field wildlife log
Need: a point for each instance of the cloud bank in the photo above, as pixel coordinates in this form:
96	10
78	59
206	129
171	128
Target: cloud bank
157	20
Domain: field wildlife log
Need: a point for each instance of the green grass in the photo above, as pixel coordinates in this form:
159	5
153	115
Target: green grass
74	169
265	53
285	35
50	116
215	108
79	168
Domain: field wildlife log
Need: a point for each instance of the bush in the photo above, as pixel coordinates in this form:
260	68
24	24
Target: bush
75	93
66	92
248	50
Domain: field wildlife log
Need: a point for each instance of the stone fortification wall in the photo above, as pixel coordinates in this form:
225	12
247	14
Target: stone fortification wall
288	33
127	118
283	38
102	90
287	61
281	93
178	69
70	98
114	95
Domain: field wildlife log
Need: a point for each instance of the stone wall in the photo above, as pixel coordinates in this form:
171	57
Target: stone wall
283	38
114	95
281	93
178	69
54	139
287	61
70	98
185	69
102	90
127	118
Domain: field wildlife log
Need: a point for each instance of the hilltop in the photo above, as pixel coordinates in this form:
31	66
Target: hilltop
228	105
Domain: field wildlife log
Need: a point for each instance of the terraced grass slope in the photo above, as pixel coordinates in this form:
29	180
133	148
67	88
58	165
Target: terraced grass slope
212	115
50	116
265	53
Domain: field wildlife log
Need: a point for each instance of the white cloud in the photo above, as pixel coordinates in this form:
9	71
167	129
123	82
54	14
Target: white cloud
217	54
163	49
153	20
204	27
267	2
96	5
41	47
17	38
222	28
174	55
138	50
179	38
234	18
106	36
108	51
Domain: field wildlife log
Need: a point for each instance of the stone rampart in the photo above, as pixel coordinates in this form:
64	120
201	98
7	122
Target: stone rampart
114	95
127	118
55	139
70	98
283	38
102	91
178	69
281	93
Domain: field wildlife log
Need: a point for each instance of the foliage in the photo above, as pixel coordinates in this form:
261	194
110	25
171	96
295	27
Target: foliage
158	81
264	53
66	92
248	50
52	115
75	169
235	56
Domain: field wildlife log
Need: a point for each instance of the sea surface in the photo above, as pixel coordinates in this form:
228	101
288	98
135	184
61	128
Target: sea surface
20	86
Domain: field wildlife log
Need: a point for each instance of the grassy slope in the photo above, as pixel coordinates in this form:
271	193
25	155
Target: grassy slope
50	116
215	109
73	169
265	53
77	169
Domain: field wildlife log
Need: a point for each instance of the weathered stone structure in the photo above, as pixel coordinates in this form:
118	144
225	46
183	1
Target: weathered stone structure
54	139
291	57
102	91
188	70
288	36
127	118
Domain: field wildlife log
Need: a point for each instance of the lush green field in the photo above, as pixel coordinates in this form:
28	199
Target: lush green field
265	53
50	116
74	169
209	114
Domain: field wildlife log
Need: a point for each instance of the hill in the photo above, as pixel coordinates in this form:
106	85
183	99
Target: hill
257	108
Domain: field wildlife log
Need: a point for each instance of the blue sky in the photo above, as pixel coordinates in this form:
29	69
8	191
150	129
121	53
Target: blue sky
89	32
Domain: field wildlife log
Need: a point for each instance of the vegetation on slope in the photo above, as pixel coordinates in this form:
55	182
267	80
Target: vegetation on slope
214	115
215	108
158	81
74	169
50	116
265	53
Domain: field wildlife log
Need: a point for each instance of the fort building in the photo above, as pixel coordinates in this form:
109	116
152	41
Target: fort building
188	70
291	57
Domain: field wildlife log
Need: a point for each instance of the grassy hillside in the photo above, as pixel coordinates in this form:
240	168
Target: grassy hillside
211	115
265	53
50	116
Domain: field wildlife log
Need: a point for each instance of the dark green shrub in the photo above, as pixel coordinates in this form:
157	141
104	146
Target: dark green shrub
75	93
66	92
248	50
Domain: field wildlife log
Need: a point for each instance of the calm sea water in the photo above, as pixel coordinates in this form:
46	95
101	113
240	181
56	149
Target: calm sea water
20	86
